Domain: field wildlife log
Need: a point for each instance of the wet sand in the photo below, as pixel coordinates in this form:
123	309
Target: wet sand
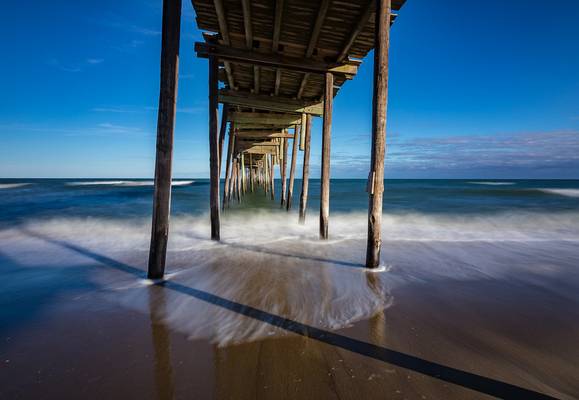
287	320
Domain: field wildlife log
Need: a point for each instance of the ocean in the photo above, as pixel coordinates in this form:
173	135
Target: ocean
474	272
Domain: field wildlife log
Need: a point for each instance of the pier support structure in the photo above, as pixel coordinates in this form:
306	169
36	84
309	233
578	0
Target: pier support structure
379	105
306	135
214	148
290	188
326	138
165	128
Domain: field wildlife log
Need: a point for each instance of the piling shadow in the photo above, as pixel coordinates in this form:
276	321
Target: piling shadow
442	372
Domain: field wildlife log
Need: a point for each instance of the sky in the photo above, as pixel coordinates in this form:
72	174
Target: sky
477	89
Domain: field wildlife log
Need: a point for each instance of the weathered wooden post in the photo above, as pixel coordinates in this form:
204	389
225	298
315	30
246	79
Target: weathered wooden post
214	148
222	132
266	176
226	191
283	168
238	184
243	180
271	177
165	128
306	134
251	172
326	137
379	104
290	189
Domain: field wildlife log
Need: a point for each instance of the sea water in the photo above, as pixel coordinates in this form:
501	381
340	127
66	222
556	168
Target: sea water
94	233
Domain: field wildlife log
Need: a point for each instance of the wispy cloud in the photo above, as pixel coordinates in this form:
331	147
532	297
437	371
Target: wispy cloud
118	109
73	67
456	155
102	129
524	150
53	62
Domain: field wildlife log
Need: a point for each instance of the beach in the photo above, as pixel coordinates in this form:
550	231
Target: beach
477	295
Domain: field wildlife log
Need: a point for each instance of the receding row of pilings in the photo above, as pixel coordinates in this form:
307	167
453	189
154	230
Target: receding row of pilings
165	128
247	171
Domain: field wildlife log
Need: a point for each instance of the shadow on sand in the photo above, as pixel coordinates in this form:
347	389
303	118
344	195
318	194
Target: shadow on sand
442	372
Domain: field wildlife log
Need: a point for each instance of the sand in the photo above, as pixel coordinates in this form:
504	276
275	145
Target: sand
286	319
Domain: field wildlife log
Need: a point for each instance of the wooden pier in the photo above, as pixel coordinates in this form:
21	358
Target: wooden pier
280	63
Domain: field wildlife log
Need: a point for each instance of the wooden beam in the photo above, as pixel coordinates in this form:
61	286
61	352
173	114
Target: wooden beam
305	170
261	150
251	57
277	82
224	30
222	21
213	149
270	103
246	6
258	134
264	118
256	80
303	85
321	17
360	25
326	137
251	125
279	4
379	105
243	143
314	41
165	129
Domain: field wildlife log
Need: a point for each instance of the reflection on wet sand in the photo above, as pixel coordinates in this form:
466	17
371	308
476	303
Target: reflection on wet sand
274	326
161	344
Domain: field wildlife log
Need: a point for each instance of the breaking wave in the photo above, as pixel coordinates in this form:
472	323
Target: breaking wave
268	261
493	183
126	183
13	185
562	192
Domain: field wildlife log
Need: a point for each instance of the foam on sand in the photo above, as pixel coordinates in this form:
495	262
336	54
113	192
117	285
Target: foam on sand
270	262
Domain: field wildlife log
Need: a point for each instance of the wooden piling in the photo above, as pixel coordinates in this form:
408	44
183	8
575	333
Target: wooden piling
243	179
226	191
251	173
290	190
326	137
303	128
165	128
238	188
271	178
306	134
379	105
283	168
214	148
222	132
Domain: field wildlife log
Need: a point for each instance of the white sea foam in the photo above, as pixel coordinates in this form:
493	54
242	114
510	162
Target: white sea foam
13	185
270	262
493	183
126	183
562	192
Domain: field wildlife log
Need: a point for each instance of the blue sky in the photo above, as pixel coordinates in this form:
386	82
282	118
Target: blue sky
477	90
